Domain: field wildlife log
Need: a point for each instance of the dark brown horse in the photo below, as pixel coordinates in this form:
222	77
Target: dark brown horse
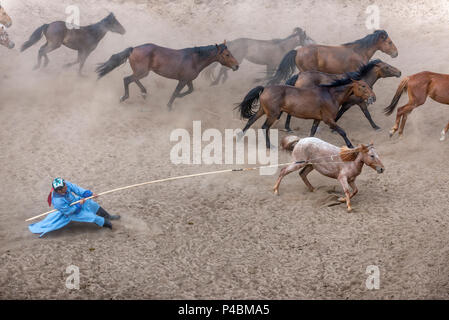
4	18
83	39
418	86
370	73
319	103
335	59
183	65
268	53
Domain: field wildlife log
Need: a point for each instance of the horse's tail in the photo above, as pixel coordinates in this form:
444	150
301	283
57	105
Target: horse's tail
35	37
113	62
209	71
402	87
292	80
285	69
288	143
246	107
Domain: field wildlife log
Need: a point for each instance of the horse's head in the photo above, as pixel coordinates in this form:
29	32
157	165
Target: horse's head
113	25
384	70
385	44
371	158
225	57
4	18
362	90
303	38
4	38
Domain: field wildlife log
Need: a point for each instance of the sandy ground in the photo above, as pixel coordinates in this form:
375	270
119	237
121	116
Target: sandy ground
226	236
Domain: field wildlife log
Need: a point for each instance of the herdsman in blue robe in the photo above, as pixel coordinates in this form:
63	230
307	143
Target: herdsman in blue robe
64	193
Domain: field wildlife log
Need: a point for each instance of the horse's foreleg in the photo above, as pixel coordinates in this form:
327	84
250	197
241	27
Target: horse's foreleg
220	74
82	59
181	84
341	132
342	110
303	174
364	107
67	65
443	133
344	183
315	125
289	169
354	189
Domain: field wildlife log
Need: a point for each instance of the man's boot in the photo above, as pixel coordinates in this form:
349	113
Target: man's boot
107	224
103	213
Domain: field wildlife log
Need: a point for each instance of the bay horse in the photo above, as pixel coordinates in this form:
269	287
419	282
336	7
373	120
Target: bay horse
319	103
183	65
83	39
418	86
4	18
370	73
342	164
4	38
268	53
335	59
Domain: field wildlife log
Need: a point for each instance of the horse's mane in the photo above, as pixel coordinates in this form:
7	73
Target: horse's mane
368	40
348	154
295	32
206	51
355	75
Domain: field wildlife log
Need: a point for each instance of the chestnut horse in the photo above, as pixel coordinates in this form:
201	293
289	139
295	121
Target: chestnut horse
268	53
335	59
320	103
4	38
342	164
83	39
4	18
183	65
370	73
418	87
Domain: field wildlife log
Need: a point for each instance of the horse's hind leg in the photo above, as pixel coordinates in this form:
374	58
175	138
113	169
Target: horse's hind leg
143	90
303	174
289	169
443	133
250	122
189	90
179	87
46	48
268	123
287	123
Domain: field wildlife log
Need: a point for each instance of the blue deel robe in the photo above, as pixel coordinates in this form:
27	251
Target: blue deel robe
66	213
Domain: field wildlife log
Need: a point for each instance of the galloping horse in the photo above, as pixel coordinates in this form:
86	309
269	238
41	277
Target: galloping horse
320	103
342	164
83	39
183	65
335	59
263	52
4	18
4	38
373	71
418	87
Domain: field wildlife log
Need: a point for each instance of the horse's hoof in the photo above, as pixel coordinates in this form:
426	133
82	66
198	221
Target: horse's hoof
276	192
349	209
144	96
342	199
391	133
123	99
240	135
376	128
36	67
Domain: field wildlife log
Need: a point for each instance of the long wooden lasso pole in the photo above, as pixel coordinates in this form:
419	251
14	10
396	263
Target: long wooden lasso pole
162	180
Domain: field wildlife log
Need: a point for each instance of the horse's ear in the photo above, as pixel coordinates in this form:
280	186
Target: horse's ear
363	148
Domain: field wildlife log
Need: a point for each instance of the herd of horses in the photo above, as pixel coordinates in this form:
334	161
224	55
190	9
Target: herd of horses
331	80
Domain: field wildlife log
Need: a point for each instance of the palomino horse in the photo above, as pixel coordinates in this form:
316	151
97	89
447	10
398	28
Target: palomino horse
83	39
319	103
342	164
4	38
335	59
183	65
263	52
418	87
4	18
370	73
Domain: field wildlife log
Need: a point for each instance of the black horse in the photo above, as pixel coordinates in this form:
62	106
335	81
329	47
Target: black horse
83	39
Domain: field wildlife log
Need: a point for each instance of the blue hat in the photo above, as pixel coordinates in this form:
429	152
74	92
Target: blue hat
58	183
